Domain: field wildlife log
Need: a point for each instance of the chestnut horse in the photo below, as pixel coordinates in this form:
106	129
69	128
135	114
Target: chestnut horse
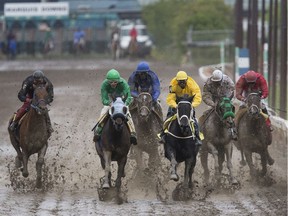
254	135
32	136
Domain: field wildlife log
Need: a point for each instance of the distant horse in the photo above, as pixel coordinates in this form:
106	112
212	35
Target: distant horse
180	141
133	49
32	136
114	144
148	121
253	134
115	47
216	126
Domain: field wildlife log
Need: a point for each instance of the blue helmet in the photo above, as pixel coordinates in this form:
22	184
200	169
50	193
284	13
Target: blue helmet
143	67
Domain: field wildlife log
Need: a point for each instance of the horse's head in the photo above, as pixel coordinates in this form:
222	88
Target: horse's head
118	113
225	110
184	110
40	98
144	105
253	102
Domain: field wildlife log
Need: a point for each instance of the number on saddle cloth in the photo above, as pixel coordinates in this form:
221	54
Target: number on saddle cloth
227	108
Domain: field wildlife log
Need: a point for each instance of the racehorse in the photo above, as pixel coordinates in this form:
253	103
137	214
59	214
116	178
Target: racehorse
253	134
133	49
180	141
216	125
148	120
32	136
115	47
114	143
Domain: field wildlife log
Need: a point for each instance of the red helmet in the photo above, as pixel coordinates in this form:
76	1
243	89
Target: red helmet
250	76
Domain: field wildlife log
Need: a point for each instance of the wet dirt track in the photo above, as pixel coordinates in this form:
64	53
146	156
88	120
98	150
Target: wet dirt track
72	168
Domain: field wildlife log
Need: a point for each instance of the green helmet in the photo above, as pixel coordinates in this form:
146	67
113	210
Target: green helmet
113	75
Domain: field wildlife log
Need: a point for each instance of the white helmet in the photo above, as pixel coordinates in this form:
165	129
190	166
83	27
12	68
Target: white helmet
217	76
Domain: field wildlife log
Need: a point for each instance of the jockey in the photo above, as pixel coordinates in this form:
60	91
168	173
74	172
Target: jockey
79	37
253	82
114	85
182	85
145	80
217	86
133	33
26	94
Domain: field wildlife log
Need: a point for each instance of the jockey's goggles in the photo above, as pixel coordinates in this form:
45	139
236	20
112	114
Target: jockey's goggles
113	82
181	82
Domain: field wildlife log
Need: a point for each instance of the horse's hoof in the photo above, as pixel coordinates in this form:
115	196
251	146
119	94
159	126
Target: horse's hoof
234	182
106	186
270	161
25	174
243	163
174	177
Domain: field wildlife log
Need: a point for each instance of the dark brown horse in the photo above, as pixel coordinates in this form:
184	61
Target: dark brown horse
148	120
114	144
253	134
180	141
216	125
32	136
133	49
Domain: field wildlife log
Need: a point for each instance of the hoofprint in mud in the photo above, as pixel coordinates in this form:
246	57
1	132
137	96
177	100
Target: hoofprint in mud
72	169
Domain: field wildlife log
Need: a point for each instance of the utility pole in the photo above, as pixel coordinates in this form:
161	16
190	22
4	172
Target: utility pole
274	54
253	45
263	37
283	64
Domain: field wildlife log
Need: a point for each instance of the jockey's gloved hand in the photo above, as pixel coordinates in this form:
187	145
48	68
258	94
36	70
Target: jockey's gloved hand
28	100
154	102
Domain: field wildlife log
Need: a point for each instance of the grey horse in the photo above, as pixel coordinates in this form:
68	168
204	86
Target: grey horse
216	125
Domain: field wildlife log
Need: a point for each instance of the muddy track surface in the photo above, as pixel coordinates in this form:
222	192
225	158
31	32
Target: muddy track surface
72	171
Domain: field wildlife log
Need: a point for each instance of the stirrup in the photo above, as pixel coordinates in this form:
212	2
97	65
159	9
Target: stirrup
133	140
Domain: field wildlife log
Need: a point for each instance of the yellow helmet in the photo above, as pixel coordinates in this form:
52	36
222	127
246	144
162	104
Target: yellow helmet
181	75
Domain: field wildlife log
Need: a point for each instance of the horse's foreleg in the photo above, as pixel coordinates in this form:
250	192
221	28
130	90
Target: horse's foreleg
214	152
39	165
15	144
187	177
204	162
248	156
25	172
107	158
264	163
228	152
120	173
173	169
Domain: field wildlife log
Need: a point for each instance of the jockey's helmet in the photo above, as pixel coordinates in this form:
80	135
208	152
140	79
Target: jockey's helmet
143	67
113	75
217	76
250	76
38	74
181	75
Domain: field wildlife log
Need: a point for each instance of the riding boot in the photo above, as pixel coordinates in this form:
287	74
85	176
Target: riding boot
234	132
161	136
97	133
14	123
133	135
197	134
268	122
49	125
